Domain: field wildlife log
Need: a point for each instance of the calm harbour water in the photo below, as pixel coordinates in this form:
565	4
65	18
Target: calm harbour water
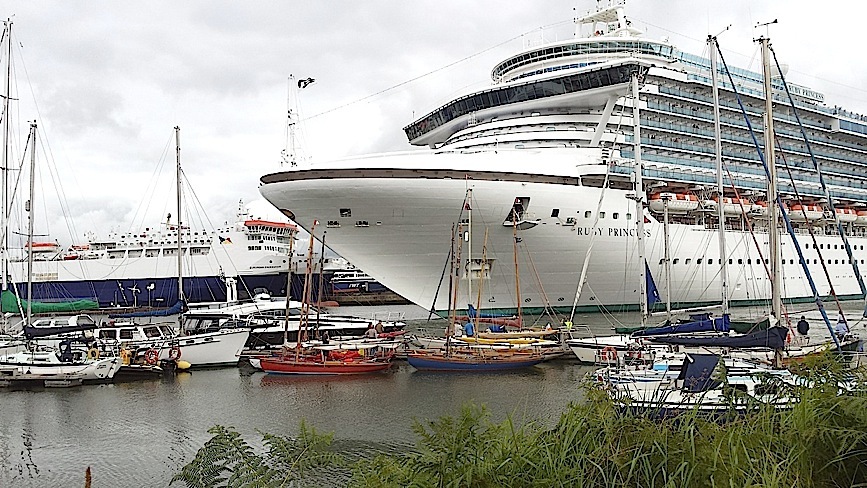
142	433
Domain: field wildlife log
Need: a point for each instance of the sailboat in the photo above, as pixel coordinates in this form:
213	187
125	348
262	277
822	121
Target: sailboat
41	364
323	358
706	382
472	353
208	349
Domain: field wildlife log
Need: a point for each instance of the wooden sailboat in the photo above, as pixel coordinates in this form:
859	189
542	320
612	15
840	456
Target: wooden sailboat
472	353
322	358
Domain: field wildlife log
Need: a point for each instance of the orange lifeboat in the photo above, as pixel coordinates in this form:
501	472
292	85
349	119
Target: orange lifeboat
801	213
846	215
44	247
678	203
861	217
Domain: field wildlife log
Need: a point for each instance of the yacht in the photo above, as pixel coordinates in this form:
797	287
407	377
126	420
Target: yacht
545	156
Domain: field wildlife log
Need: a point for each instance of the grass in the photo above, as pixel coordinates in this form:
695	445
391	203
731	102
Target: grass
820	442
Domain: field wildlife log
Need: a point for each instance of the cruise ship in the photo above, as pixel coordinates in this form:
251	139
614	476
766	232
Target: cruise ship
545	156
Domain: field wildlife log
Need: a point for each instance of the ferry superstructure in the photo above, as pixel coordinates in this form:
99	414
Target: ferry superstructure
538	148
127	269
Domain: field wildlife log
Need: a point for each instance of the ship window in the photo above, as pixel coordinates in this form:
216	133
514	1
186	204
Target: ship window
125	334
791	261
615	215
332	223
767	261
587	214
829	261
835	246
555	212
836	261
661	261
362	223
108	334
628	216
815	261
731	261
675	261
807	246
698	261
601	215
710	261
687	260
346	212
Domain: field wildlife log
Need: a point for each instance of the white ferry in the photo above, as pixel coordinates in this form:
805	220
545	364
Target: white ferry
537	149
131	269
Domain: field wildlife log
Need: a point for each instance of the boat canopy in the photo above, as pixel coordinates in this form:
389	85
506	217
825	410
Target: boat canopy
696	323
175	309
12	304
774	338
697	372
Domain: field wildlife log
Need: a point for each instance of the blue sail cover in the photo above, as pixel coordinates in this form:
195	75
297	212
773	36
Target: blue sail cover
652	292
700	323
773	338
175	309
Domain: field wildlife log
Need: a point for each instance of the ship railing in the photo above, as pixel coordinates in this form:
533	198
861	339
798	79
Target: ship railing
389	316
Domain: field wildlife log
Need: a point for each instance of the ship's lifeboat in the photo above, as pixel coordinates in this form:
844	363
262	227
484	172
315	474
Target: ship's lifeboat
731	206
678	203
44	247
798	212
846	215
759	210
861	217
75	252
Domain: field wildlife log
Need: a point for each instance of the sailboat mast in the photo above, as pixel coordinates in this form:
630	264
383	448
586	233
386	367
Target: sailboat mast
29	210
178	191
723	269
639	200
773	194
4	257
667	256
288	288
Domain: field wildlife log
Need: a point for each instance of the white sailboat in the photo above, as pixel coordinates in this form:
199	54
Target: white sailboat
46	365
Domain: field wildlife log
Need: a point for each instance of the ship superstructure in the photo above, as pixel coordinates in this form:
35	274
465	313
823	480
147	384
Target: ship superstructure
550	139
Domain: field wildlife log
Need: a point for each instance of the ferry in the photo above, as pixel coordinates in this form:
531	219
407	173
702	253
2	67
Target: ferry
546	154
132	269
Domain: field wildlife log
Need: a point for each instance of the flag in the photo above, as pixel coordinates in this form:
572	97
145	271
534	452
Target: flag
305	82
467	205
225	240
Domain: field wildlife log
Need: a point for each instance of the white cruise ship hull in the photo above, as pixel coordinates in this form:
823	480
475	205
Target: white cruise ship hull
400	226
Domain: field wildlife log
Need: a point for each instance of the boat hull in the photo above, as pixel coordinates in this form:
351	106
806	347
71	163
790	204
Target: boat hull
399	232
290	366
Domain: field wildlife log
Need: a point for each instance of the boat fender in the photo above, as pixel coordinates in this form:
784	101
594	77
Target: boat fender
124	356
93	353
175	353
152	356
608	353
182	365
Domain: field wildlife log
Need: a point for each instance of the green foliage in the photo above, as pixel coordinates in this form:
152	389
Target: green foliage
226	460
820	442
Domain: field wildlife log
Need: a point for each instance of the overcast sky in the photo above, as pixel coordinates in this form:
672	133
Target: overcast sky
107	81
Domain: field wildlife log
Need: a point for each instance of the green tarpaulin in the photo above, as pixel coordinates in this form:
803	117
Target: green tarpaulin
11	304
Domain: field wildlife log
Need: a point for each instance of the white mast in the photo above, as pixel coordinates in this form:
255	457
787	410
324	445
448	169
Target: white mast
723	269
639	200
4	224
665	199
773	194
180	244
29	209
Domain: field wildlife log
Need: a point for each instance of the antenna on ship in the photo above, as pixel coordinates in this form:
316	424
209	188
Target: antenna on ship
289	154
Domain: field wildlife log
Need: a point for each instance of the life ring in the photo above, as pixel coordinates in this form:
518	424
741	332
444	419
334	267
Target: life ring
175	353
93	353
152	356
608	353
